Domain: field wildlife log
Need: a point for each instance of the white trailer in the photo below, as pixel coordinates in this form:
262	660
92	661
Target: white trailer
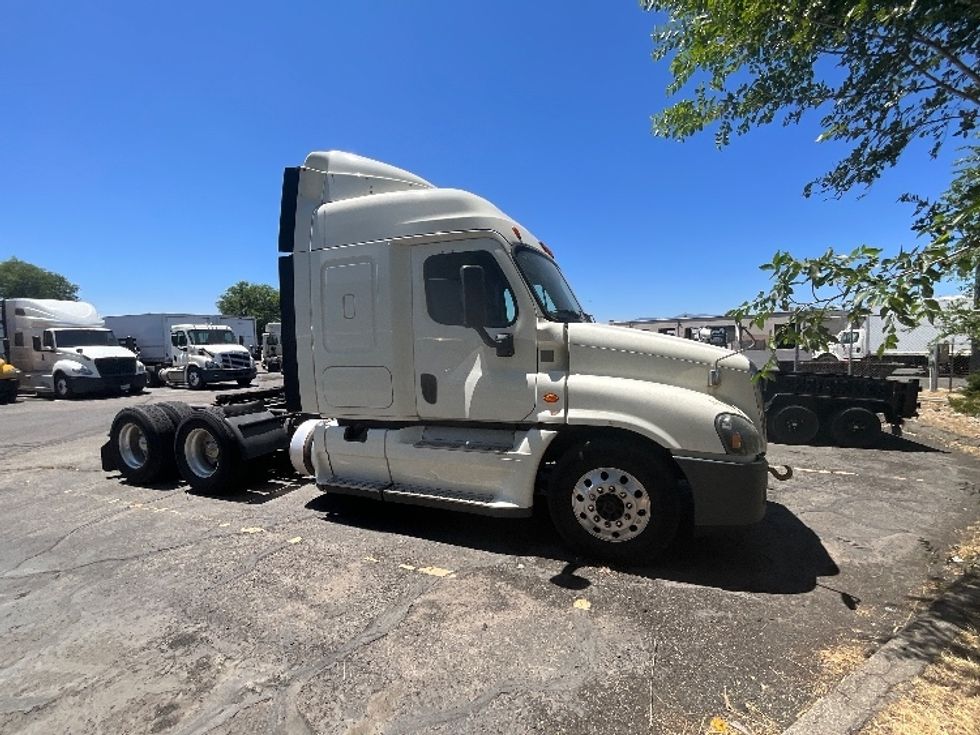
434	354
190	349
64	349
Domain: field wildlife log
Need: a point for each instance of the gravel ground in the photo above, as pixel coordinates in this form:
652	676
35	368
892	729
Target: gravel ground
132	609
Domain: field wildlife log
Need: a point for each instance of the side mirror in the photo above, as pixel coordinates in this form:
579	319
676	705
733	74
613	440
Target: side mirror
36	343
473	292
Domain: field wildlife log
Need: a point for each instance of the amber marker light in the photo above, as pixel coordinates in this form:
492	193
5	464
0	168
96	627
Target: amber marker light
550	398
547	250
517	234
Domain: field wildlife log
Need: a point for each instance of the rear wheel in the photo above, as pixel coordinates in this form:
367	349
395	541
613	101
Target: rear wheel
614	501
207	453
855	427
142	437
176	411
794	425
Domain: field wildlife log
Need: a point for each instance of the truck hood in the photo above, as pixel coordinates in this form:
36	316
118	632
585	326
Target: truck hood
621	352
224	349
94	352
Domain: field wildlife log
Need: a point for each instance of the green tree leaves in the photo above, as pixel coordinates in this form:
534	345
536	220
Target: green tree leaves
251	299
19	279
881	75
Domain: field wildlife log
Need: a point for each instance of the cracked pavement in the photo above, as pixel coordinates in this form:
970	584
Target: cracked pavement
131	609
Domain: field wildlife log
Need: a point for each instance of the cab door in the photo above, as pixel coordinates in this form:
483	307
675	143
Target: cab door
458	377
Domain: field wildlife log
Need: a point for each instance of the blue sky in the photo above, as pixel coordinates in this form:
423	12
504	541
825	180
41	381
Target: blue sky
142	145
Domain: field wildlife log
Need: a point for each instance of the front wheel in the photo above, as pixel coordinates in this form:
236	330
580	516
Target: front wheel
244	382
614	501
195	380
62	386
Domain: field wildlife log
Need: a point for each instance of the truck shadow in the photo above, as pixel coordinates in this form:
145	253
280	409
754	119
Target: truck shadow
885	442
779	555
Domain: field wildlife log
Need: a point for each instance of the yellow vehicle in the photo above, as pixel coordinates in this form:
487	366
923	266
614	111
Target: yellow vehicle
9	382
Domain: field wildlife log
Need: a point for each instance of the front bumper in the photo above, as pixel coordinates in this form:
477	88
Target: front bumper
726	493
85	386
218	376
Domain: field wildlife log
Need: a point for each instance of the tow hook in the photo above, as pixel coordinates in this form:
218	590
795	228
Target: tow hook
786	474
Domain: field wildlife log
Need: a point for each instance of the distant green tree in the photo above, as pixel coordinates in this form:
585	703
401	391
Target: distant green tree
251	299
19	279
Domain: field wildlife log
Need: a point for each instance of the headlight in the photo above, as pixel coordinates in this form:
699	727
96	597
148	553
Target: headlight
737	435
140	367
211	365
81	369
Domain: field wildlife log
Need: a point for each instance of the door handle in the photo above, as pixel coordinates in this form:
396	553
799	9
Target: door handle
505	345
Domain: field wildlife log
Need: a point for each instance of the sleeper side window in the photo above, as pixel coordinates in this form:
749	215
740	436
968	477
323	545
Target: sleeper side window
443	286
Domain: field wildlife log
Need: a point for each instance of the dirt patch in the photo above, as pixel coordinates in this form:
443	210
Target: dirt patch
955	430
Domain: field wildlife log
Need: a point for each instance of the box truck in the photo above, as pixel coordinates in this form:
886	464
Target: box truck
434	354
184	349
64	349
915	345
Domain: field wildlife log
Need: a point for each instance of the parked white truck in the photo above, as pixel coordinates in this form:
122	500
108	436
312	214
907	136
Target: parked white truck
272	347
434	354
915	344
64	349
181	350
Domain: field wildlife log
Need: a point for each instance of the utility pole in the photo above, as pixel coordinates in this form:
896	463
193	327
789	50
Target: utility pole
975	342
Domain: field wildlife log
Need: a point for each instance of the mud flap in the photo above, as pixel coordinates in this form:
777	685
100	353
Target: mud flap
110	458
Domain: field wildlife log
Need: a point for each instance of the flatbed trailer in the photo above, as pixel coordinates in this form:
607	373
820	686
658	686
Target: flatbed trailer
801	407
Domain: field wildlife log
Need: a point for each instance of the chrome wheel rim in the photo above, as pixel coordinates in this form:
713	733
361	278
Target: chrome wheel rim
61	386
194	378
611	504
133	446
202	452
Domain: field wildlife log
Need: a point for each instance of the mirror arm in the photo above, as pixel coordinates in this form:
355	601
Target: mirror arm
487	339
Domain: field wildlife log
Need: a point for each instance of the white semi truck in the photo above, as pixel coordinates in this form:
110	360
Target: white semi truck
64	349
434	354
181	349
272	347
915	345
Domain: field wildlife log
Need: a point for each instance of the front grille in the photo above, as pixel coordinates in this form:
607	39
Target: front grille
235	361
108	366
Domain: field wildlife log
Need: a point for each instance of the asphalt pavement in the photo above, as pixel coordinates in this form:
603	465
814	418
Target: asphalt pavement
279	609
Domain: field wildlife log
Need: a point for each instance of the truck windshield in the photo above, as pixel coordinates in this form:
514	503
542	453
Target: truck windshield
549	286
85	338
211	337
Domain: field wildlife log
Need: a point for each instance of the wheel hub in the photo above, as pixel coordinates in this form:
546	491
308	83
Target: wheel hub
133	446
202	452
611	504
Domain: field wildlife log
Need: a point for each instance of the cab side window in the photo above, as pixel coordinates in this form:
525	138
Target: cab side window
47	340
443	286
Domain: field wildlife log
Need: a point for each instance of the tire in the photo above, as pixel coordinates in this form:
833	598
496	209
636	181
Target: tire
195	380
244	382
207	453
855	427
8	391
62	386
793	425
176	411
645	504
826	357
142	438
152	378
